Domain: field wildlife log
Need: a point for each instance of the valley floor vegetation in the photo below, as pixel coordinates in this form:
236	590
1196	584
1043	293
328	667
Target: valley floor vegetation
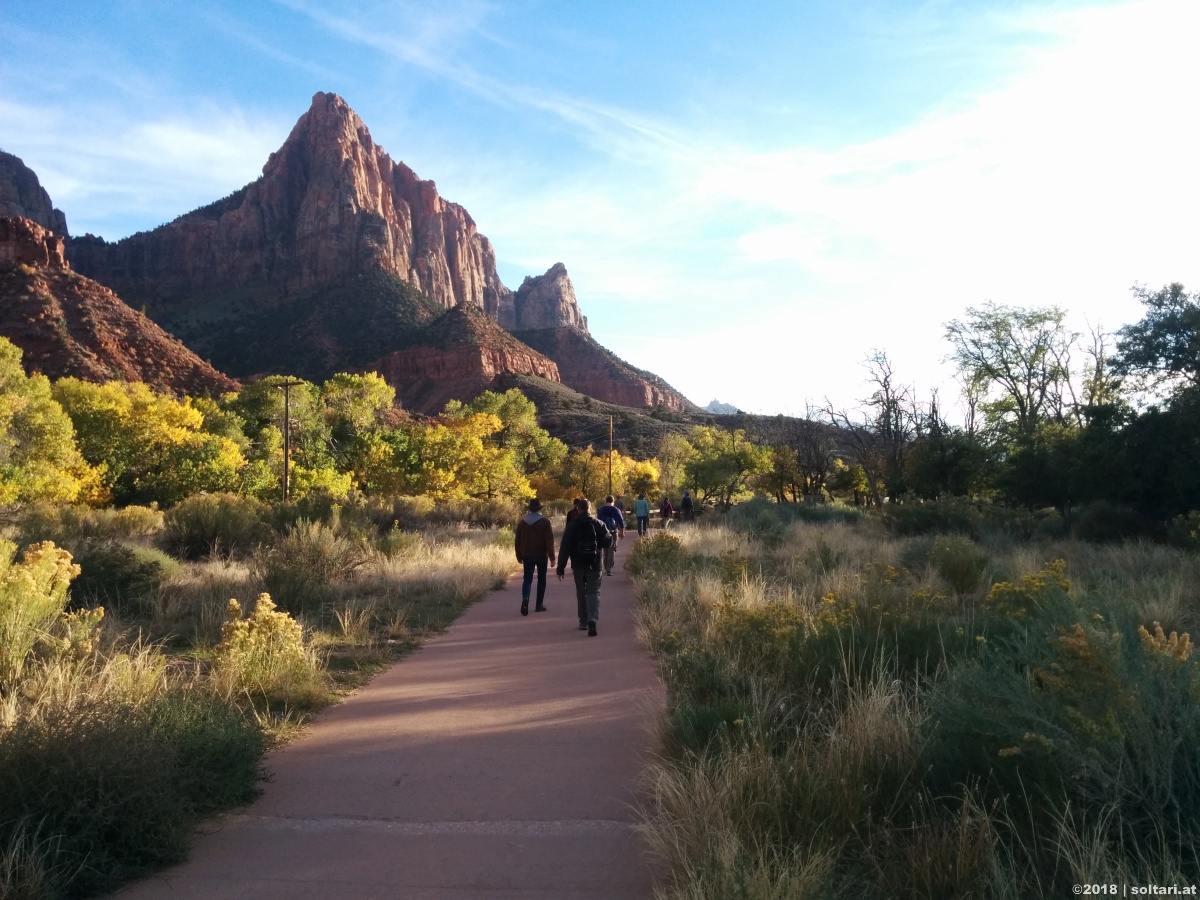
862	708
148	660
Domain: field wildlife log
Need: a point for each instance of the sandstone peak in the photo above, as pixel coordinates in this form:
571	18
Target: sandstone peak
547	301
21	194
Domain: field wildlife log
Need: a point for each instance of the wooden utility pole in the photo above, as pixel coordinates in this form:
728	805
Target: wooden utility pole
286	387
610	456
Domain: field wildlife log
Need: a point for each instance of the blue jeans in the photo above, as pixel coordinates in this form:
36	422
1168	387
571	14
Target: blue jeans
531	563
643	524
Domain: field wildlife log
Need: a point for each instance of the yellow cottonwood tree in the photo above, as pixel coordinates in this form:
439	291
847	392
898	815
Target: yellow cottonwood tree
39	459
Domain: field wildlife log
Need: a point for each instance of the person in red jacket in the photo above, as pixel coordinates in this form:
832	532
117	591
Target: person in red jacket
534	542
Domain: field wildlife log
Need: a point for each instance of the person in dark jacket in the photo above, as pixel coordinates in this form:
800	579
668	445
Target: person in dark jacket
583	543
610	514
534	543
687	508
666	511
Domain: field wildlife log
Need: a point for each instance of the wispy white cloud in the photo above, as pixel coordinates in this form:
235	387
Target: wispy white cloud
139	170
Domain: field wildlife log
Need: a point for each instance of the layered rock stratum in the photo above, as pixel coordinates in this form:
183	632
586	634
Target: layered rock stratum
70	325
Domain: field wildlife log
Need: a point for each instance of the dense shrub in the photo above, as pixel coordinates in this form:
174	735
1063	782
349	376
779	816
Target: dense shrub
959	561
658	556
33	595
301	569
68	526
1102	522
117	576
263	655
113	789
212	524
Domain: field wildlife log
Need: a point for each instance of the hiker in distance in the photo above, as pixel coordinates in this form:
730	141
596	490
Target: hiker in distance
534	543
610	515
583	541
687	508
667	511
641	511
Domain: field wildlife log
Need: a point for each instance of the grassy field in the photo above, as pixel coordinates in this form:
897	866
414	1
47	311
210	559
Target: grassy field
854	713
147	662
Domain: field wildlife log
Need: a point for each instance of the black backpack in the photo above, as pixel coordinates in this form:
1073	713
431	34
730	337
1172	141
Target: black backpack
588	543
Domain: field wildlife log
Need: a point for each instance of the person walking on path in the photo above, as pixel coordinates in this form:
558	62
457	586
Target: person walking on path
610	515
583	541
534	543
573	512
641	511
666	511
687	508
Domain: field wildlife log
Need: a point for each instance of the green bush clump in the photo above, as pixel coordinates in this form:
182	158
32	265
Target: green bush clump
301	569
658	556
68	526
1104	522
1089	716
113	788
213	524
960	561
118	577
951	516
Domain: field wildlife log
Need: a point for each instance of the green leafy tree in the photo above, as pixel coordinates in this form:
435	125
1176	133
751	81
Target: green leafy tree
1162	350
531	445
1018	361
39	459
723	463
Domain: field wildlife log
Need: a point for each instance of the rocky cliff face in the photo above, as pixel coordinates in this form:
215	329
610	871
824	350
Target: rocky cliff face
69	325
330	202
21	194
546	301
591	369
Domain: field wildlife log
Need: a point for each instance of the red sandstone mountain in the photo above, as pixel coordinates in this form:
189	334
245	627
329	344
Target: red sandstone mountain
21	194
589	368
334	258
330	202
69	325
459	355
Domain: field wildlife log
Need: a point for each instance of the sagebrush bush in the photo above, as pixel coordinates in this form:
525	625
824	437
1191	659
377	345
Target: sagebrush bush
301	570
214	524
116	576
68	525
960	561
659	556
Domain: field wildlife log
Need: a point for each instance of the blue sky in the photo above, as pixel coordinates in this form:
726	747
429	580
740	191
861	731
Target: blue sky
749	198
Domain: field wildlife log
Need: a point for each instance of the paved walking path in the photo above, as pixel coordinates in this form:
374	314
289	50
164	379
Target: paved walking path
498	761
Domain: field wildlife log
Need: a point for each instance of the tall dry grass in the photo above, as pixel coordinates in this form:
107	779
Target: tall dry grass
800	668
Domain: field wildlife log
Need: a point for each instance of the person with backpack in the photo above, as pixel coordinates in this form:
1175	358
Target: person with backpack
534	543
687	508
641	511
666	511
610	515
583	542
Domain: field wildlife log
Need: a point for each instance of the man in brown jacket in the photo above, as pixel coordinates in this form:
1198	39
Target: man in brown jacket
535	547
